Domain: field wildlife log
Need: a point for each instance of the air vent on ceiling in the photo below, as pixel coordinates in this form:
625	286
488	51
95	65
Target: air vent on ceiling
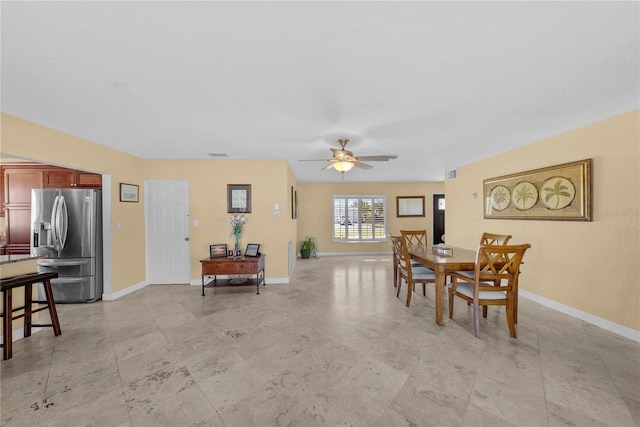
452	174
218	155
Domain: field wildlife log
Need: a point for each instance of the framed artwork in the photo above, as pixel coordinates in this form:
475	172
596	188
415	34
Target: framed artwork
128	192
294	203
218	251
239	198
409	206
252	250
561	193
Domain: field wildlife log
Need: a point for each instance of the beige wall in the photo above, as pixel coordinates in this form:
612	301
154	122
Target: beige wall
589	266
31	141
316	214
270	182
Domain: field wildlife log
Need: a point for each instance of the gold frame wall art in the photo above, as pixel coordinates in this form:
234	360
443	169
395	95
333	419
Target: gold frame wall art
560	193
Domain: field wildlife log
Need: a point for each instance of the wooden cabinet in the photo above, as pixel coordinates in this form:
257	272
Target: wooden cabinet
17	204
19	179
68	178
88	180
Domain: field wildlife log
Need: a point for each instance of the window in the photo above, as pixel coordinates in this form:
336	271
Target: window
359	218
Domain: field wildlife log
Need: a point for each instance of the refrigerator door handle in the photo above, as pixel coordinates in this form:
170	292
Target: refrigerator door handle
64	226
67	279
54	222
62	263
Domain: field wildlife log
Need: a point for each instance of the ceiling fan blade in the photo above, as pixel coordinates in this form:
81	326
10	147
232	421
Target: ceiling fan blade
329	166
315	160
361	165
379	158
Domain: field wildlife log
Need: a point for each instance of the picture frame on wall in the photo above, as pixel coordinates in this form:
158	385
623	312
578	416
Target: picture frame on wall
294	203
239	198
409	206
129	192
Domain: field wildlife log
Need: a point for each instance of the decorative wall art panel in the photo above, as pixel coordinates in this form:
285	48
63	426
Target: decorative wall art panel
561	192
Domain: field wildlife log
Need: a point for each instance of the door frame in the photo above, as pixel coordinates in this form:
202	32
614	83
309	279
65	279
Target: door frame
435	213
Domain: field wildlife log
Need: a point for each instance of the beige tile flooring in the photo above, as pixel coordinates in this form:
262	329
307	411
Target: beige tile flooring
333	347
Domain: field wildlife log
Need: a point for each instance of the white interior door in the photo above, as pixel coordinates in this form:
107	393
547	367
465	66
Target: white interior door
167	212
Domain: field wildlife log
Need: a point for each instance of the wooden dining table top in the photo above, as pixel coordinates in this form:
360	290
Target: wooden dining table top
462	259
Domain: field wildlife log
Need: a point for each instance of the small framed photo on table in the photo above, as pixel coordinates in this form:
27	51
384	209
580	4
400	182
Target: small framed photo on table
252	250
218	251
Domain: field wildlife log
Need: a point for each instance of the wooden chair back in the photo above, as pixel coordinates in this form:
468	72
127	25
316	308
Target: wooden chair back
414	237
495	263
490	239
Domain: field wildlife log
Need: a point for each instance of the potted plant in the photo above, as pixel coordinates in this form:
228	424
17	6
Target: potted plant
308	247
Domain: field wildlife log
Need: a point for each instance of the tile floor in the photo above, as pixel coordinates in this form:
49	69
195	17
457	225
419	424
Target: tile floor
333	347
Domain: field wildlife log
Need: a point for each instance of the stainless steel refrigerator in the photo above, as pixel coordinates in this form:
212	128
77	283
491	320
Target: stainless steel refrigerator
67	228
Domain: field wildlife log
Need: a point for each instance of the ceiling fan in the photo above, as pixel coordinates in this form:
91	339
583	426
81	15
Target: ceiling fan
343	160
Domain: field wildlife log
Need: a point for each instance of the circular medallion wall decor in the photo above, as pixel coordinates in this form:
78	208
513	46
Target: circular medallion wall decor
558	192
500	197
524	196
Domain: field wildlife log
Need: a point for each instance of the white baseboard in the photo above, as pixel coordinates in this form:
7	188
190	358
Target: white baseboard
385	253
19	334
268	281
119	294
589	318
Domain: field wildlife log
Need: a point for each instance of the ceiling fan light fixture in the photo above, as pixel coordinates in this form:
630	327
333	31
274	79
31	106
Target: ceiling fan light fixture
343	166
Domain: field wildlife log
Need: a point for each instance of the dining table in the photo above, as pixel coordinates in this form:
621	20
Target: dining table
460	260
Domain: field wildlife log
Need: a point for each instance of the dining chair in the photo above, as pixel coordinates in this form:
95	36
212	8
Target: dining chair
488	239
494	283
415	238
410	274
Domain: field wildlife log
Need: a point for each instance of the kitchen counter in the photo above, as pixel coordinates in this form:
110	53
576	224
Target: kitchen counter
10	259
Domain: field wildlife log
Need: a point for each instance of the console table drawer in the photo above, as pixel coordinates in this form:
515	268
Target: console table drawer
231	267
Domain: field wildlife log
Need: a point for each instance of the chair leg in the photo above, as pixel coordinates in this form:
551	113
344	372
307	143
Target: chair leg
395	275
476	319
398	289
409	292
450	304
424	289
510	319
484	311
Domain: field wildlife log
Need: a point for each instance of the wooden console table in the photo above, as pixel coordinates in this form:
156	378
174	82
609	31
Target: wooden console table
214	267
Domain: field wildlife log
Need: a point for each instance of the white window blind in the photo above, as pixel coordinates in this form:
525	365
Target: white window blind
359	218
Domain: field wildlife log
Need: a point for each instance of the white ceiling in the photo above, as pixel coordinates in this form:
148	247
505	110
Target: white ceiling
440	84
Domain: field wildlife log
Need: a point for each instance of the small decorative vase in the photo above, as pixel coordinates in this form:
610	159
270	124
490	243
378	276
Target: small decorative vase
237	243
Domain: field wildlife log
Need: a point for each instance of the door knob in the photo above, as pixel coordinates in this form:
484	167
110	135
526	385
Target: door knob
186	239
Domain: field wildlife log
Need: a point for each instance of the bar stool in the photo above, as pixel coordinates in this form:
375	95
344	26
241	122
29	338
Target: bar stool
27	280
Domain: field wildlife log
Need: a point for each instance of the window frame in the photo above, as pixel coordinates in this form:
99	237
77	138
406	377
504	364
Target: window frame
346	225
